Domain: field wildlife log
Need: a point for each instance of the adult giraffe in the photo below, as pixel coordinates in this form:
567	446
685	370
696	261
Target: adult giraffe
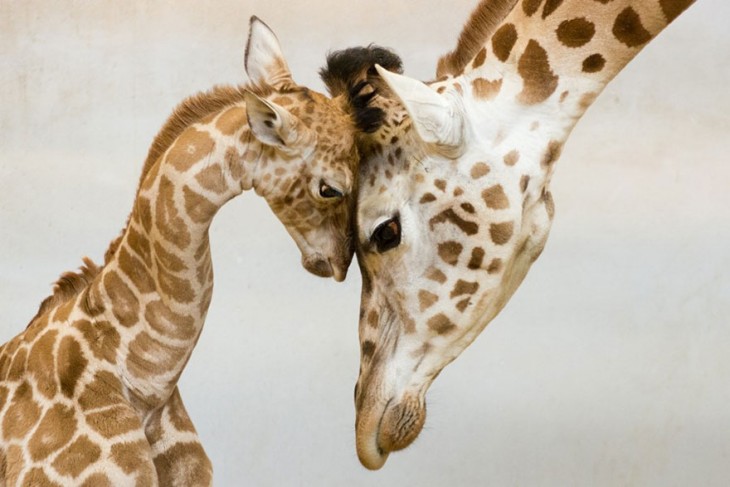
452	214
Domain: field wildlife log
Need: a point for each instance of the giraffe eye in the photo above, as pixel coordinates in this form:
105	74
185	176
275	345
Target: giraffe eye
327	191
387	235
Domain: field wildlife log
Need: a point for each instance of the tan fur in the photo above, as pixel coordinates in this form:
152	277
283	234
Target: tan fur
478	29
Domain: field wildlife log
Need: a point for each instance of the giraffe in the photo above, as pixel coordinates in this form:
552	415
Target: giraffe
88	392
454	203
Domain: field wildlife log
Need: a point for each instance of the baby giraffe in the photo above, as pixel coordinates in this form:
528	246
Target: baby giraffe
88	392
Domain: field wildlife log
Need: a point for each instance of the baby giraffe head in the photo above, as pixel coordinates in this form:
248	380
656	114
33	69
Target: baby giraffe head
308	160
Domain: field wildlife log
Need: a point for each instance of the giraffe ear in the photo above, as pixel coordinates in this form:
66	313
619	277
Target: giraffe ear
274	125
264	61
437	119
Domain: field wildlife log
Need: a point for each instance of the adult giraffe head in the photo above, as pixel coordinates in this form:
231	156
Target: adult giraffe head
454	203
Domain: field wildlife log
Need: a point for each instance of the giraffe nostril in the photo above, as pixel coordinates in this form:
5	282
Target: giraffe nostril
318	266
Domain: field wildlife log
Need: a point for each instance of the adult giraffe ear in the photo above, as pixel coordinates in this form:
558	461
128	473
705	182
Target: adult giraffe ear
264	61
437	119
274	125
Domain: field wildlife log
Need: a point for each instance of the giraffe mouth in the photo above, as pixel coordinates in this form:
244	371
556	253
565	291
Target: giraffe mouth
390	428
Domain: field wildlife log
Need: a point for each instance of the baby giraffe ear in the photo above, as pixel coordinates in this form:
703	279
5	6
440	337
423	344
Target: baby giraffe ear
274	125
437	119
264	61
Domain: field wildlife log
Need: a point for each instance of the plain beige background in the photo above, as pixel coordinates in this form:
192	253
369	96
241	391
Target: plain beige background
610	366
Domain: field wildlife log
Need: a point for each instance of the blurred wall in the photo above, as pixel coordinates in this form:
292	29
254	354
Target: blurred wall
610	365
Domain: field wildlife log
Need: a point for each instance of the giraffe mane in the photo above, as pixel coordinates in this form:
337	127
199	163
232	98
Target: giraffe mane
482	23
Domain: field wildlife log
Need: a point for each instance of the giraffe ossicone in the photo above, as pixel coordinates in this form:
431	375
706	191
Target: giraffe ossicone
88	392
454	203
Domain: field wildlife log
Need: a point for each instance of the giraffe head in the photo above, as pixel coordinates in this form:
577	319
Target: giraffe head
308	177
447	227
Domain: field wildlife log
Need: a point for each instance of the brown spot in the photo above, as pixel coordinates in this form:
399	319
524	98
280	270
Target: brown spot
22	414
37	476
64	311
672	8
461	305
539	80
576	32
435	274
494	266
486	90
530	6
550	7
552	153
169	260
77	457
188	459
175	287
212	178
593	63
17	367
140	245
450	251
458	191
199	208
449	215
463	287
231	120
547	199
168	323
467	207
171	226
15	458
503	41
629	30
440	184
114	421
71	364
133	456
479	170
125	305
191	147
102	337
441	89
373	319
458	88
105	390
55	430
564	95
147	355
368	348
495	198
426	299
136	271
441	324
501	233
480	58
524	182
178	415
97	480
477	256
512	157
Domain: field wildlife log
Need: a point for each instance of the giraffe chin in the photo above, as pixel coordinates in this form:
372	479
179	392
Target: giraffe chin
392	428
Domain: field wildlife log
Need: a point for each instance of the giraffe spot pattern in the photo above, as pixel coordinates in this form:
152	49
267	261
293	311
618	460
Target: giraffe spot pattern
168	259
436	275
426	299
576	32
77	457
147	355
114	421
54	431
136	271
97	480
463	287
552	153
480	58
450	216
593	63
140	245
171	226
629	30
103	391
36	476
199	208
550	7
501	233
512	157
462	305
503	41
232	120
672	8
103	339
477	257
22	414
190	147
178	416
186	457
441	324
539	80
494	266
479	170
175	287
450	251
368	348
212	178
495	198
70	364
484	89
530	6
168	323
125	305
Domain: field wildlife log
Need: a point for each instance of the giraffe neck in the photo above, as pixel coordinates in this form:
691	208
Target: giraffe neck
544	65
156	289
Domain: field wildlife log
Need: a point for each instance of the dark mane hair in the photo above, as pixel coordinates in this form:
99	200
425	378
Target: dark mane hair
351	72
482	23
